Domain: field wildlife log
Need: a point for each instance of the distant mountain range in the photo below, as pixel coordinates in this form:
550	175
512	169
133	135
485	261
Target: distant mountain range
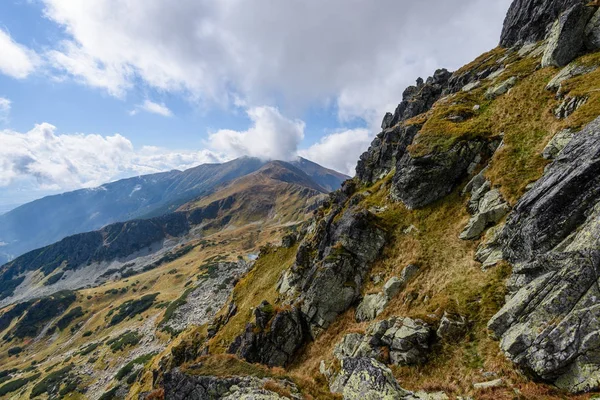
52	218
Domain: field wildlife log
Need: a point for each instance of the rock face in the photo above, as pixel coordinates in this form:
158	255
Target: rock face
566	38
529	21
421	180
273	339
367	379
331	267
557	144
182	386
487	207
406	341
550	324
592	32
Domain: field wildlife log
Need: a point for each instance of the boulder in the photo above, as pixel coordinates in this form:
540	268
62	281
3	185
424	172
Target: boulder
501	88
452	328
489	252
407	342
592	32
566	38
570	71
273	339
491	209
489	384
557	144
367	379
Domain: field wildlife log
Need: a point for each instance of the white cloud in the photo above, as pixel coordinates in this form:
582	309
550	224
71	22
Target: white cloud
72	161
4	109
271	136
153	108
16	61
339	151
356	54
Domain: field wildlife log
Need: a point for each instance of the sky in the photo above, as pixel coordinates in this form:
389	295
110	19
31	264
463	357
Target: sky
92	91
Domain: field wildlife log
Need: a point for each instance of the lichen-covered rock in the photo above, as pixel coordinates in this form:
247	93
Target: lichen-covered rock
407	342
557	144
373	304
367	379
273	339
490	209
528	21
550	324
421	180
330	270
501	88
489	252
566	38
570	71
558	202
184	386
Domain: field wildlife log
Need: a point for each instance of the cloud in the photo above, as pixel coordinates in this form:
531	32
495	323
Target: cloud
339	151
72	161
153	108
271	136
17	61
358	55
4	109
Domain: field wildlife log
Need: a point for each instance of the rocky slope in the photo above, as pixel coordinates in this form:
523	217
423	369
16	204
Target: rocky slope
460	262
52	218
400	276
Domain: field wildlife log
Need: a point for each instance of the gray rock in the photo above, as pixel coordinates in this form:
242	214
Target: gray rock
559	202
489	384
489	252
470	86
409	272
452	328
367	379
570	71
407	340
392	287
569	106
528	21
557	144
592	32
420	181
566	38
182	386
273	339
371	306
491	209
501	88
330	269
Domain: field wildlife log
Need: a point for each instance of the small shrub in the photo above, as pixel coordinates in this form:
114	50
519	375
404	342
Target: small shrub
13	351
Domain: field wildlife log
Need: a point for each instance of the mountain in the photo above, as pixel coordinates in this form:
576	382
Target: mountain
461	261
276	194
52	218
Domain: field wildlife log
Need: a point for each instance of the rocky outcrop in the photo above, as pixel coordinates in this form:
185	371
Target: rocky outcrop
367	379
331	266
452	328
566	38
487	207
390	145
569	105
592	32
398	341
529	21
570	71
183	386
557	144
549	326
501	88
273	339
373	304
421	180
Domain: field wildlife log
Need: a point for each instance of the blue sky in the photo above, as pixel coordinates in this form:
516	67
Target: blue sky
93	91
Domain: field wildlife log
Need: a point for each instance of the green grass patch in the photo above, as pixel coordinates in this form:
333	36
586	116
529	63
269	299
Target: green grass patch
132	308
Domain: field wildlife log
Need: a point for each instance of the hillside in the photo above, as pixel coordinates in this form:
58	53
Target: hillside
461	262
52	218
